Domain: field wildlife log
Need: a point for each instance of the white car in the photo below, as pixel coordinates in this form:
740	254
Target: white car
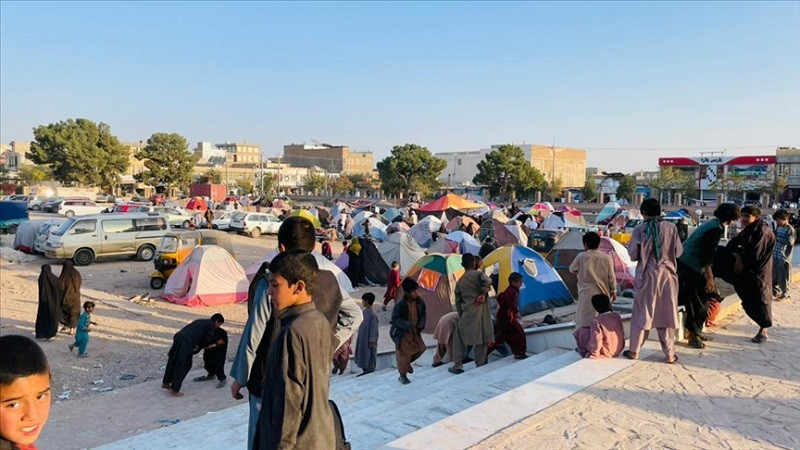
223	222
43	233
175	217
71	208
255	224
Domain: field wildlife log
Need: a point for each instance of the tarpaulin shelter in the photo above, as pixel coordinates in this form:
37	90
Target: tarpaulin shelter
509	233
377	229
322	262
195	202
437	276
571	244
401	247
307	214
395	227
456	222
542	288
456	242
27	232
208	277
421	232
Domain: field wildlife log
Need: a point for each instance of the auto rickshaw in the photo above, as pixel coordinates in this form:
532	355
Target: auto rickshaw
176	246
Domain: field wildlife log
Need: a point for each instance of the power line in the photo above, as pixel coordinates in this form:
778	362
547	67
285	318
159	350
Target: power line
685	149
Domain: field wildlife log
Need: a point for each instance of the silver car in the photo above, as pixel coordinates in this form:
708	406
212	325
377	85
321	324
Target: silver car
255	224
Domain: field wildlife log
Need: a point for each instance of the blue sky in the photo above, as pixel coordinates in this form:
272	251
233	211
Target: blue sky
628	81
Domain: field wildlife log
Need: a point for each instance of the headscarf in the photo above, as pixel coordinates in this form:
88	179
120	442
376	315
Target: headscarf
355	246
653	232
50	298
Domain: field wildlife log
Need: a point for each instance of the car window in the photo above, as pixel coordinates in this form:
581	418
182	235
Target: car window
84	226
150	224
239	216
118	226
273	219
171	211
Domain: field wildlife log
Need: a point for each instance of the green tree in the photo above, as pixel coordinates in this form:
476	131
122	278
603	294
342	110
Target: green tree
80	151
410	168
31	175
589	190
212	176
555	188
626	188
672	180
342	185
3	174
246	185
506	172
355	179
167	161
268	183
314	182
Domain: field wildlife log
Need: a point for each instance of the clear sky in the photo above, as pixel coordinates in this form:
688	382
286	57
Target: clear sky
627	81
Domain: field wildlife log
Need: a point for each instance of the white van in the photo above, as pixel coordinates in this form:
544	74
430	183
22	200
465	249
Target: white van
84	238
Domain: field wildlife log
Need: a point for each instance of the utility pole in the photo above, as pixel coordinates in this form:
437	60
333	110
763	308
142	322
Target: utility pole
278	189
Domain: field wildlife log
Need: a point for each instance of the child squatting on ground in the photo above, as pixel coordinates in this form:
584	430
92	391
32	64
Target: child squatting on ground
84	327
24	392
605	338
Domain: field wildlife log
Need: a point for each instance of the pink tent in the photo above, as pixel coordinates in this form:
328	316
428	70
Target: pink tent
624	268
209	276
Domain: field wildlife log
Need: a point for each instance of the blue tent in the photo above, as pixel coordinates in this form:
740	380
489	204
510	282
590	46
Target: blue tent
392	213
542	287
376	229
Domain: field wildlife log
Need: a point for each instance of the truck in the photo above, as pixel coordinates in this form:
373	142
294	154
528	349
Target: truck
216	192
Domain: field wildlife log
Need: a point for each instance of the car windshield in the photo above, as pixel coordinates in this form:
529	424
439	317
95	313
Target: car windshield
169	244
64	227
240	216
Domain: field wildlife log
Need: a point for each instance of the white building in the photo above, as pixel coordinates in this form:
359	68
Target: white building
208	152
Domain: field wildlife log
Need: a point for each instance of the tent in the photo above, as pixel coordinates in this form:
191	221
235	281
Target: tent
339	208
509	233
437	276
361	215
401	247
374	270
208	277
322	262
393	213
487	224
572	217
195	202
421	232
449	201
552	222
542	288
542	206
456	242
571	244
307	214
456	222
394	227
609	211
376	228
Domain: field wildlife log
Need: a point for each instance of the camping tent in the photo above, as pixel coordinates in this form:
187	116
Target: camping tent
195	203
374	270
421	232
449	201
392	213
394	227
609	211
542	288
552	222
456	222
322	262
307	214
361	215
401	247
509	233
571	244
208	277
376	228
437	276
456	242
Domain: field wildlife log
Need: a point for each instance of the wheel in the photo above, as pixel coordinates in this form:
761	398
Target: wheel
69	213
83	257
145	253
185	224
256	232
156	283
36	207
216	227
12	229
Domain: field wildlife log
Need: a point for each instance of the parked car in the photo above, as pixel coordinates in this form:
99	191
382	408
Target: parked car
37	202
71	208
255	224
176	217
129	207
223	222
51	205
43	234
84	238
18	198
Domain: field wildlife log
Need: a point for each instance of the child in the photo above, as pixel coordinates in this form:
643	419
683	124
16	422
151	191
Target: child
782	255
595	276
367	342
342	356
326	249
185	343
606	338
214	358
24	392
82	333
443	333
408	321
508	327
295	412
392	284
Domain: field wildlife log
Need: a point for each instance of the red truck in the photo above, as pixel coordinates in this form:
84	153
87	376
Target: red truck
216	192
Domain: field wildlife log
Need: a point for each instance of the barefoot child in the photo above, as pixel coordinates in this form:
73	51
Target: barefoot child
83	329
367	342
24	392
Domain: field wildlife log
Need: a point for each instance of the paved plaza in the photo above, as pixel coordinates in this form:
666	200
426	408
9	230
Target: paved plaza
733	394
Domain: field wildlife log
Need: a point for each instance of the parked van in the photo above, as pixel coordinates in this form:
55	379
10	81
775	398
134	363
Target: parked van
84	238
71	208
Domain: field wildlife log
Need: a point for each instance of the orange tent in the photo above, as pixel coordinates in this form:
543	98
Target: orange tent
450	201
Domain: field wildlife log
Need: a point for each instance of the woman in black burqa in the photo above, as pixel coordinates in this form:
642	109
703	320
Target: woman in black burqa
50	298
70	280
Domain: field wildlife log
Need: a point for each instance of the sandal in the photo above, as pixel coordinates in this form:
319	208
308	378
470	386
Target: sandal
630	355
759	338
455	371
697	343
674	360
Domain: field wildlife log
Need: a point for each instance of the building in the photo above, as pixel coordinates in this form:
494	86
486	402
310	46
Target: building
14	155
788	168
567	163
331	158
716	172
205	152
240	153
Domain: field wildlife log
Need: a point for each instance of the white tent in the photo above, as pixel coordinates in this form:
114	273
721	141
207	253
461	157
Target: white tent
209	276
421	232
322	262
401	247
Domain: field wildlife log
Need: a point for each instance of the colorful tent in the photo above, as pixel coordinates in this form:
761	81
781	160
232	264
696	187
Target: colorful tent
208	277
437	276
421	232
542	288
307	214
377	229
542	206
401	247
571	244
456	222
448	201
509	233
456	242
195	202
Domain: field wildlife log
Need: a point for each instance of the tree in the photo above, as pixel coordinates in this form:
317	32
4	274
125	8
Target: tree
268	183
410	168
246	185
314	182
167	161
80	151
31	175
626	188
212	176
555	188
355	178
672	180
506	172
589	190
342	185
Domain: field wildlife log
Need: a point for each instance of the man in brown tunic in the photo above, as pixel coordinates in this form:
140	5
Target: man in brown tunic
475	324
